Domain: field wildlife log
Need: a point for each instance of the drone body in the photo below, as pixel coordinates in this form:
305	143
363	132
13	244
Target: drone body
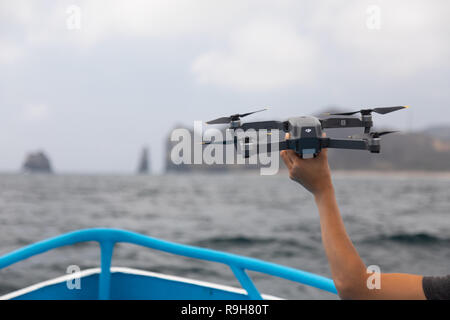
305	132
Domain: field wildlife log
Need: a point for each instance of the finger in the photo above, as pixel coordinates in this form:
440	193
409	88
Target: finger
290	154
293	157
324	151
286	159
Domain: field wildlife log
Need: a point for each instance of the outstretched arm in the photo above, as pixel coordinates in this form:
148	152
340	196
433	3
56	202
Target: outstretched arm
347	269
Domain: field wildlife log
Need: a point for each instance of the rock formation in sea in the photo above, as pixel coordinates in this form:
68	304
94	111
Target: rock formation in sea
144	166
37	162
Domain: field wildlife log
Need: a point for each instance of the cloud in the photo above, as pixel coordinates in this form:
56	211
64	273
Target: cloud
158	17
260	56
41	22
412	36
28	25
35	113
328	36
10	53
285	50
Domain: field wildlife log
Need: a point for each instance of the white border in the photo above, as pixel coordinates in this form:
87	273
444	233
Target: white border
89	272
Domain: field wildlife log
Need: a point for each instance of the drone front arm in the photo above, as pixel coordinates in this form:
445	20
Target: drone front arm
302	144
314	145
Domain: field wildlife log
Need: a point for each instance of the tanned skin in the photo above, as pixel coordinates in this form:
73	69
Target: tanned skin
347	269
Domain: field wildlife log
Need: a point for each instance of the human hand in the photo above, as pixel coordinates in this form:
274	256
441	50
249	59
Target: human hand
313	174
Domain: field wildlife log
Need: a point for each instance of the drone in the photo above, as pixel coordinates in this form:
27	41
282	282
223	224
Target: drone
305	132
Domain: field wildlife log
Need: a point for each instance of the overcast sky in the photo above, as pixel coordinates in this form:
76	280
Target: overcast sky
91	82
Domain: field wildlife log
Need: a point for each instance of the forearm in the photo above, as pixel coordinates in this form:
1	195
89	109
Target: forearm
347	268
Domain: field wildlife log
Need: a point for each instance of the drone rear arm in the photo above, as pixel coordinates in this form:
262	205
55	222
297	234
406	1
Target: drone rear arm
267	125
345	144
344	123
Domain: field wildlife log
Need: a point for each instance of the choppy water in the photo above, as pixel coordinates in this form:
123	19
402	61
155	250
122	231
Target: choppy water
401	224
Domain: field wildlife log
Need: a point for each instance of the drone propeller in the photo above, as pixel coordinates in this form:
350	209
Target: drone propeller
216	142
383	110
379	134
373	134
234	117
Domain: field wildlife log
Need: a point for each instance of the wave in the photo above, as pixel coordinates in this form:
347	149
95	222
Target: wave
220	242
233	241
409	238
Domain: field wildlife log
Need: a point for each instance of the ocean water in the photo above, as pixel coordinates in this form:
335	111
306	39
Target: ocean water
400	223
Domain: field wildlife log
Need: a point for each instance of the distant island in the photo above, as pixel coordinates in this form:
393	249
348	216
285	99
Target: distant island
37	162
425	150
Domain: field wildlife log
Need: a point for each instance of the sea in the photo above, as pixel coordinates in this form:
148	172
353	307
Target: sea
399	222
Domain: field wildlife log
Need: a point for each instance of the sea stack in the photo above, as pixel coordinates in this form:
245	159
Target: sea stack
37	162
144	166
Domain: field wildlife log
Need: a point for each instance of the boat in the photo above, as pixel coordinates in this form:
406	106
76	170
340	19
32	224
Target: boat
119	283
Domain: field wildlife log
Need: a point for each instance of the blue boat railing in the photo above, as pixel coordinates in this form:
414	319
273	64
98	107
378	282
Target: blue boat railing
107	238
